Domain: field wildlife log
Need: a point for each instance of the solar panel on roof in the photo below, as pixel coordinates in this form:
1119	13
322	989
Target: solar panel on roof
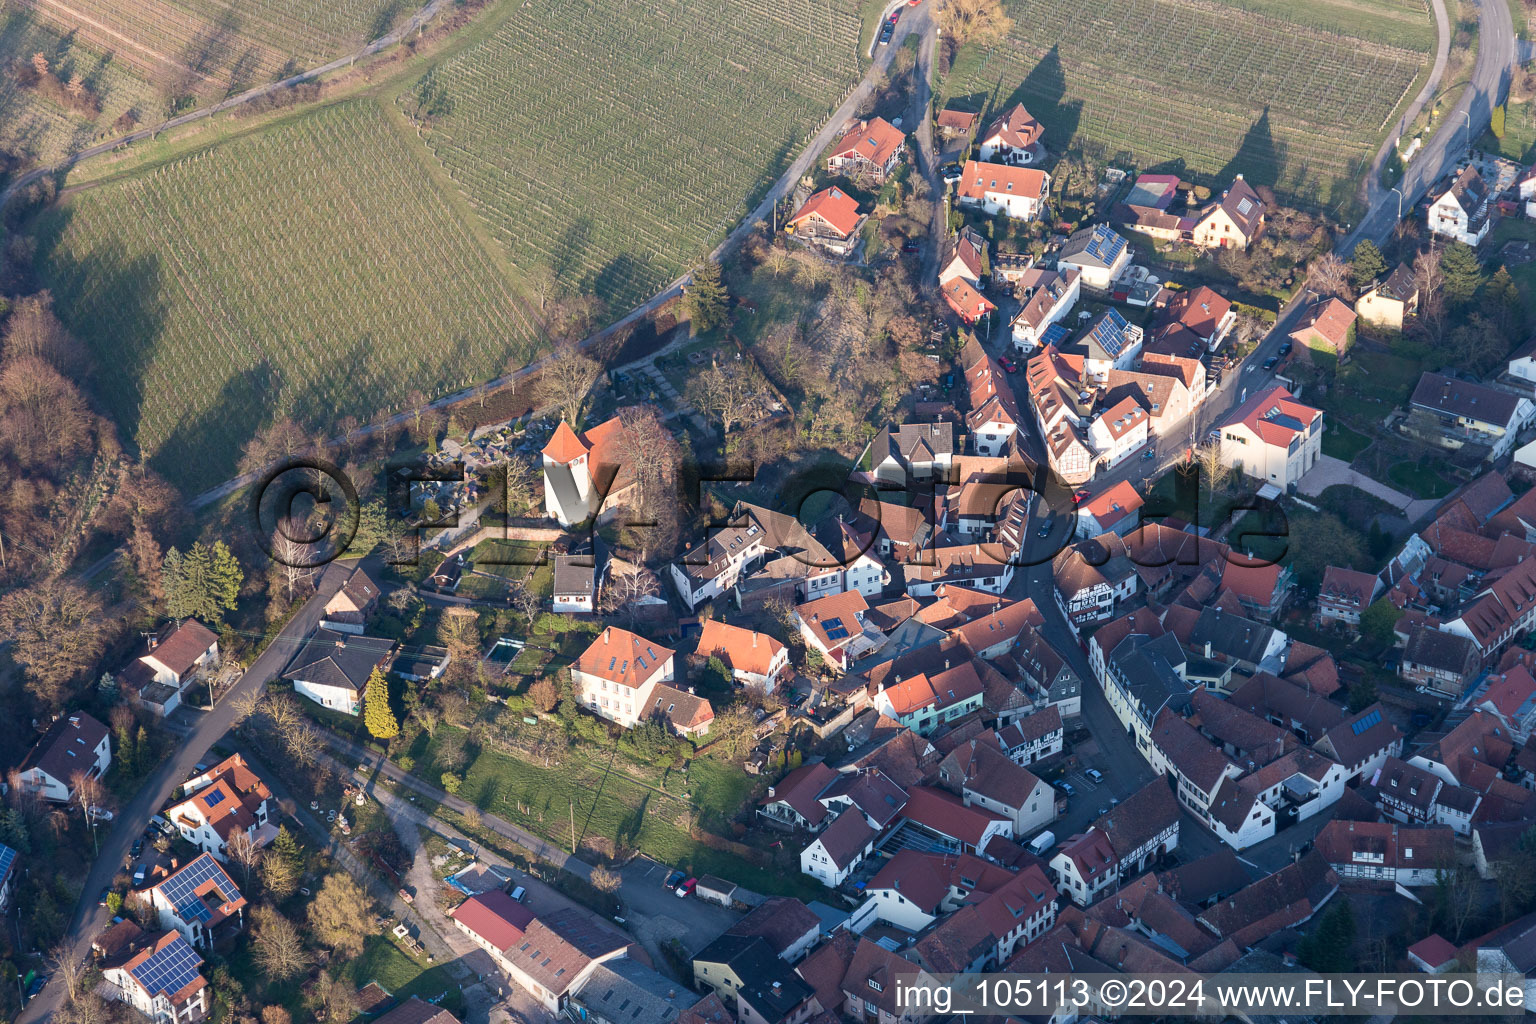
1365	723
170	970
181	888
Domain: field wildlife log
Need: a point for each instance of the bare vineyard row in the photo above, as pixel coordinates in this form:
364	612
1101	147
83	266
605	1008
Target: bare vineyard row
221	315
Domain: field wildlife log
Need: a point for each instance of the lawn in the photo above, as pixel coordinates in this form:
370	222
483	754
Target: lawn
404	975
1423	479
611	144
44	130
311	271
614	803
1294	95
1341	442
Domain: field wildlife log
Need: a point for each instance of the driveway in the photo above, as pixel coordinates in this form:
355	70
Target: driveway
1329	471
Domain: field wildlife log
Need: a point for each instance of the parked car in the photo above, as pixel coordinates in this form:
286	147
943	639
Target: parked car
675	879
1095	776
686	889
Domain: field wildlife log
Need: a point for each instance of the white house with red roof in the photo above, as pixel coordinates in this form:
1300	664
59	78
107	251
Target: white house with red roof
829	219
1014	138
1115	511
755	659
1015	192
226	801
162	979
582	471
1272	437
1085	866
834	626
1117	432
1047	297
615	676
872	149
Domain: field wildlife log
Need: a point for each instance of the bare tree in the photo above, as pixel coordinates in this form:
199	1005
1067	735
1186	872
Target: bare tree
726	391
974	21
623	591
243	851
290	557
1329	276
525	602
277	946
68	968
566	379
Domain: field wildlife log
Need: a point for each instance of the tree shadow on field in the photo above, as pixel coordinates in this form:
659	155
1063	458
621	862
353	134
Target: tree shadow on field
1044	93
1258	157
122	322
204	448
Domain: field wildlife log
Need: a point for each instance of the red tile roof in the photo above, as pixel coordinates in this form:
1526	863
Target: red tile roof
944	813
837	208
495	917
564	446
876	141
741	649
979	179
620	656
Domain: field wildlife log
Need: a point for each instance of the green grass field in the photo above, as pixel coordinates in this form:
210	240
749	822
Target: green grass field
31	126
645	811
312	270
1274	90
614	144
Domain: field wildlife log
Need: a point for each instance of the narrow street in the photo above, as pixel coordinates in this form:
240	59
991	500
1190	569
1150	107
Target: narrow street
88	919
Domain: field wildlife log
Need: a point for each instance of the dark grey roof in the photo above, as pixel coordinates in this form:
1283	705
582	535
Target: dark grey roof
344	660
1230	634
1151	670
1450	396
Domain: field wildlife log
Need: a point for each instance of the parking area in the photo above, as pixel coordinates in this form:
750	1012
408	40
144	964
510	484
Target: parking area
657	914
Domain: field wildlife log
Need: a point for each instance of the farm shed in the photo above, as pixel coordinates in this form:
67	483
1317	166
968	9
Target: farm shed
716	890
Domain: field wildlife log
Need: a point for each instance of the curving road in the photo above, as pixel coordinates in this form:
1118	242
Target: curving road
1498	55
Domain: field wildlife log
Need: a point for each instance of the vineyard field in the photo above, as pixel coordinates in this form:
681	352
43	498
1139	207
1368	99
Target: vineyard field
31	126
215	45
312	270
1200	88
613	144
